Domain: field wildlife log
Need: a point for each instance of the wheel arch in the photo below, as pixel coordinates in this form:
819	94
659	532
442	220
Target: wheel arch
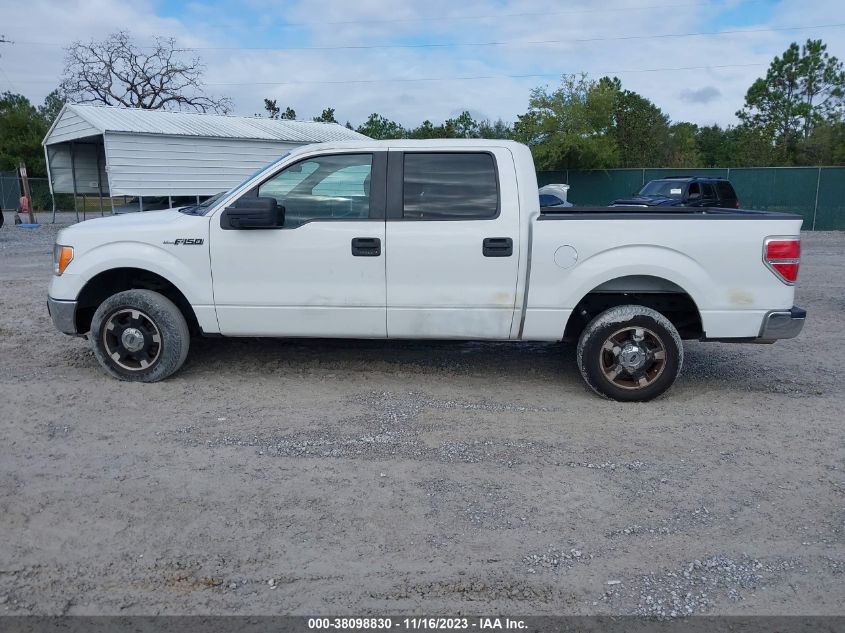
113	280
653	291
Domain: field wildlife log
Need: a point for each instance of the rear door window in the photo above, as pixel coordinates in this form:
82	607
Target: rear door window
726	190
450	186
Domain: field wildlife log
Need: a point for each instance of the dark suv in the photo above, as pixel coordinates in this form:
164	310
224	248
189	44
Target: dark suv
683	192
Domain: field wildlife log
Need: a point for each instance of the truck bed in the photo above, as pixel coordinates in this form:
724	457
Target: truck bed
720	267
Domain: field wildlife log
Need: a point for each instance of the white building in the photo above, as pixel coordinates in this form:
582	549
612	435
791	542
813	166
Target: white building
110	151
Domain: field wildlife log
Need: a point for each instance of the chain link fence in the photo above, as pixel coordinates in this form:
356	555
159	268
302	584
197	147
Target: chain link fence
816	193
85	206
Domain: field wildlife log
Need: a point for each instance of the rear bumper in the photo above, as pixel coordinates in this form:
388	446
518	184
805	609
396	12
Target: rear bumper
63	314
779	324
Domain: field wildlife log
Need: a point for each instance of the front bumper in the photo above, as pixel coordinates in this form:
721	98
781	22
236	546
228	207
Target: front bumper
779	324
63	314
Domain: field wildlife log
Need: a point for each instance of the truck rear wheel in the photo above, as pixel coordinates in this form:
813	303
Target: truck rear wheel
140	336
630	353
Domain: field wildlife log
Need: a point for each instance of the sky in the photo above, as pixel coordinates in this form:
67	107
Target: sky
415	60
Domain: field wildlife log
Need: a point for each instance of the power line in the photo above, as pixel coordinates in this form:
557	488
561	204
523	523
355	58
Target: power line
477	77
459	78
544	14
484	44
510	43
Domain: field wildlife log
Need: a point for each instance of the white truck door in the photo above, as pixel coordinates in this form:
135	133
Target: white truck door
452	243
322	273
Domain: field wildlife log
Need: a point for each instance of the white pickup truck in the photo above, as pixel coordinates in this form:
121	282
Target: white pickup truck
426	240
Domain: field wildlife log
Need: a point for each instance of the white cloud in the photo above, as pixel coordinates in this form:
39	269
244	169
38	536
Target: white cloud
701	95
276	73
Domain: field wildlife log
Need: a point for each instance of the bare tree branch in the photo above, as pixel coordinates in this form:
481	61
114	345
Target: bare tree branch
116	71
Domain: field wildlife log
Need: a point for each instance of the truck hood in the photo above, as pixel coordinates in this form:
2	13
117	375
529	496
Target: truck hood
648	201
128	221
151	227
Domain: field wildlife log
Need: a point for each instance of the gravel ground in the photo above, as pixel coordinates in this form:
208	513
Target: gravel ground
309	477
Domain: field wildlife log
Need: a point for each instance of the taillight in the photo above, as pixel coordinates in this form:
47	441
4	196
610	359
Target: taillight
783	257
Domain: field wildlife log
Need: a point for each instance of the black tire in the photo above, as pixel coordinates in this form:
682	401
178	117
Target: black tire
145	319
630	353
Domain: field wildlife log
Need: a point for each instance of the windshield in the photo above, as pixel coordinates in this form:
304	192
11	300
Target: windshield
203	208
207	203
199	209
663	189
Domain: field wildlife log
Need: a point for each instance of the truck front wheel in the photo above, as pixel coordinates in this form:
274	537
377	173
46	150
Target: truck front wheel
139	335
630	353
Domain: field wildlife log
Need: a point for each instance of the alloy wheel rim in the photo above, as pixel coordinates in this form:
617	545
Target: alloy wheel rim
132	339
633	358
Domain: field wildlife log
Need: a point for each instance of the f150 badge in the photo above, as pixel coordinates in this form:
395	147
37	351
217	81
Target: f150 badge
186	241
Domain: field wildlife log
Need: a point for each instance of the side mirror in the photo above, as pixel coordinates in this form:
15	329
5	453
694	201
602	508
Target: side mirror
253	213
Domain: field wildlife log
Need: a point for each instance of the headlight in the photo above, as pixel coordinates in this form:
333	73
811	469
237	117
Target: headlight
62	256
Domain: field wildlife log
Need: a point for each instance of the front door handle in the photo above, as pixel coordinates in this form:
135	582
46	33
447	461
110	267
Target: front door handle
366	246
497	247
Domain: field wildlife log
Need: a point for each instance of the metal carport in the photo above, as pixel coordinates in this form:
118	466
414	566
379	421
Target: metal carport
111	151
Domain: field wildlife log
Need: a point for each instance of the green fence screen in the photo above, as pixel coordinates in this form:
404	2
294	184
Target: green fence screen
816	193
830	203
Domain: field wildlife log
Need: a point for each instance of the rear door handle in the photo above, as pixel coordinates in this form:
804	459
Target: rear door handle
366	246
497	247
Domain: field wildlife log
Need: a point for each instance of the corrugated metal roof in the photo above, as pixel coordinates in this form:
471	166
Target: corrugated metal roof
126	120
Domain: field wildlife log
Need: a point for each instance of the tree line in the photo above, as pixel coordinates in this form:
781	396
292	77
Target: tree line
794	115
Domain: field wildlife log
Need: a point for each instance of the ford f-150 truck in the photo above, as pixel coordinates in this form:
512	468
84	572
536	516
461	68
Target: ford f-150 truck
426	240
